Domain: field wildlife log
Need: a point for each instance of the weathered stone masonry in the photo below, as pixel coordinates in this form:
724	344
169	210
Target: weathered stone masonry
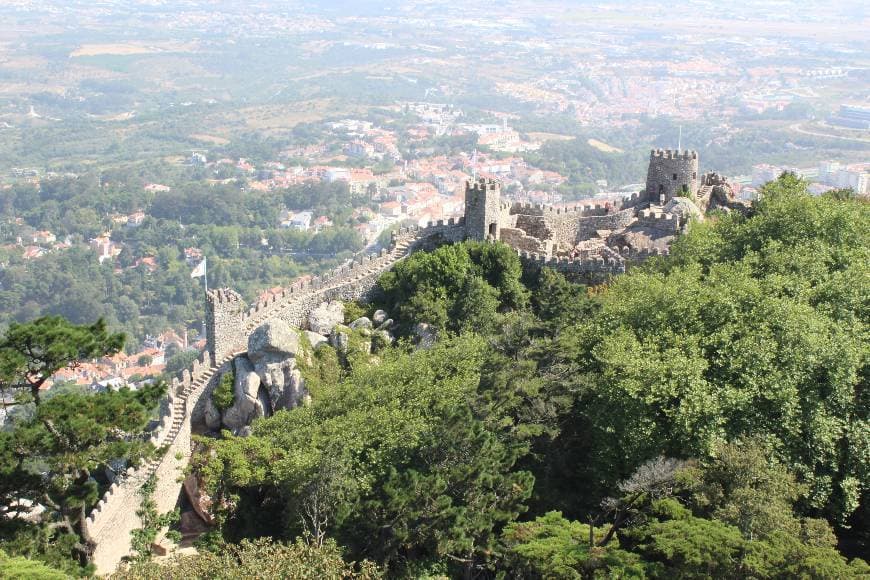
582	240
109	525
671	174
229	323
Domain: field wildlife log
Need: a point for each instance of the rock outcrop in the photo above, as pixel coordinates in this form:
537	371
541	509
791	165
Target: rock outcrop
275	340
379	317
315	339
325	317
246	403
685	209
268	378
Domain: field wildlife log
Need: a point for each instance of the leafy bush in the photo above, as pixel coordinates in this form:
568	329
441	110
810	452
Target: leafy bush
460	287
18	568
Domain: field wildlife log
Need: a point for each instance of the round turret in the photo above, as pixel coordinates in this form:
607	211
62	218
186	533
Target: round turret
671	174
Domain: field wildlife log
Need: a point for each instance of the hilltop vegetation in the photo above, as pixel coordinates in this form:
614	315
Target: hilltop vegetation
704	415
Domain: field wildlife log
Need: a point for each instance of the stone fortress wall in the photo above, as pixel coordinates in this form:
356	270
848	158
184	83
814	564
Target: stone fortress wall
229	322
109	525
535	232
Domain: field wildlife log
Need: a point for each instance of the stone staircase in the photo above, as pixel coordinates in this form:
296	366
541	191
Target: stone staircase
180	410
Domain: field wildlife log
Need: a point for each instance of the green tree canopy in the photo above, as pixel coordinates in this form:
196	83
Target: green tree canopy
397	458
457	287
54	456
31	353
753	327
256	559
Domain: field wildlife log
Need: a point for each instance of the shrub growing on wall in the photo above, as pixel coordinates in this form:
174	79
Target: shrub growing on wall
223	395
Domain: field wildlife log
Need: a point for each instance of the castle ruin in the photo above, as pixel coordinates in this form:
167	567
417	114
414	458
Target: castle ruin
601	238
592	240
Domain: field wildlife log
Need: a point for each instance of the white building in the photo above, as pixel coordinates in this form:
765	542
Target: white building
337	174
857	180
827	171
301	221
763	173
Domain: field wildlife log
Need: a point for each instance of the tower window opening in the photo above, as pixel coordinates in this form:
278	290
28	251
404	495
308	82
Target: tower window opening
675	176
492	229
694	175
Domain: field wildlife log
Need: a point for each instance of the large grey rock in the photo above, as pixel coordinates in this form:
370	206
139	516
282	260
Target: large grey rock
295	392
315	339
425	335
277	378
275	340
379	317
211	415
386	324
684	208
246	404
339	339
362	322
272	377
325	317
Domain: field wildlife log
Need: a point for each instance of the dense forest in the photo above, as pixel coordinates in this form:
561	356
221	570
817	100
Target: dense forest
703	416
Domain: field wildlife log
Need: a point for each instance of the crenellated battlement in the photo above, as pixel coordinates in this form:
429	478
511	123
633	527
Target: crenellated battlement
582	239
608	263
223	296
351	281
674	154
483	184
109	524
660	220
536	209
671	173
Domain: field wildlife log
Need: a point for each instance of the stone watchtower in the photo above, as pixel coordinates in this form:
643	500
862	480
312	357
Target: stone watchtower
482	209
672	173
224	316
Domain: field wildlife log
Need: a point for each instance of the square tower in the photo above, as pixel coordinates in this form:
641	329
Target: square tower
482	209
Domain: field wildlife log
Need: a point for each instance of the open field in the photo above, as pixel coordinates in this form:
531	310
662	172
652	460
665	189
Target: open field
602	146
210	139
276	117
130	49
541	136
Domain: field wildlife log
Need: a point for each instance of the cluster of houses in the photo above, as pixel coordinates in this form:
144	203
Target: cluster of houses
35	243
127	370
304	221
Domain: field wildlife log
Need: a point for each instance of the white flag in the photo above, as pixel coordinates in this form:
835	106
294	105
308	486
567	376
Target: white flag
199	270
